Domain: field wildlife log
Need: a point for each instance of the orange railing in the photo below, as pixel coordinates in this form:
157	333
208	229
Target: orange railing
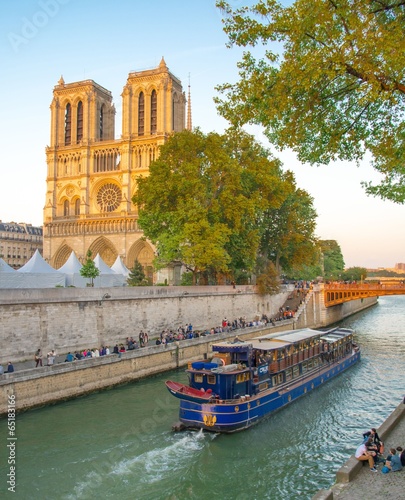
337	293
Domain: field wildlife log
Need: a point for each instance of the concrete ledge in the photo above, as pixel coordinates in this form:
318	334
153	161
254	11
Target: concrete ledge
323	495
391	422
349	470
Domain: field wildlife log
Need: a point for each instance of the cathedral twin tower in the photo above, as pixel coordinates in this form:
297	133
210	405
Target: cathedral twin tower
91	176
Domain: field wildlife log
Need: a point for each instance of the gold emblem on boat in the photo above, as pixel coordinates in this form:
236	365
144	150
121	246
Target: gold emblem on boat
209	420
236	408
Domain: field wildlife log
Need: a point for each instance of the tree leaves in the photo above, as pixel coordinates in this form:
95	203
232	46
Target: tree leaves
330	84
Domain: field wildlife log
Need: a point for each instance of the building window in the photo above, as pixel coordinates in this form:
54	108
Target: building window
66	208
153	112
77	207
101	122
109	197
141	114
68	124
79	131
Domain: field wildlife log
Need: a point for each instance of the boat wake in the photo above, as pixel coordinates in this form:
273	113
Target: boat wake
169	460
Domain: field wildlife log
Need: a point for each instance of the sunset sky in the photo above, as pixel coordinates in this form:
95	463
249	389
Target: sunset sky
103	41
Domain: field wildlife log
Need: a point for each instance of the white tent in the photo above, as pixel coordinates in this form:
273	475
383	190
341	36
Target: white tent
5	268
107	277
120	268
37	273
9	278
71	269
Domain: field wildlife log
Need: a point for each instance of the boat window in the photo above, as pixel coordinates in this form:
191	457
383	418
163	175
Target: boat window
310	365
274	380
263	386
315	362
199	377
296	371
240	378
211	379
288	375
304	367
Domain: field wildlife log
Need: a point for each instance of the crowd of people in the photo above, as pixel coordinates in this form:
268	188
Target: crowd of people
372	450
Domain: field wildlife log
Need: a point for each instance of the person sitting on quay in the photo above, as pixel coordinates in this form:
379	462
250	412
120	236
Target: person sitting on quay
401	454
362	454
1	370
10	367
69	357
372	433
392	462
51	357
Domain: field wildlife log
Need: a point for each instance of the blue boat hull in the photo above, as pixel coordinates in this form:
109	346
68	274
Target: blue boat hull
239	415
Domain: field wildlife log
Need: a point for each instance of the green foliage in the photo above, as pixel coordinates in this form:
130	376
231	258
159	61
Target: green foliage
137	275
269	281
186	279
333	263
354	274
89	269
218	203
325	79
288	237
204	201
384	273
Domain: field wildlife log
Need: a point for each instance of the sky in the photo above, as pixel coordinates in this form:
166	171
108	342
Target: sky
104	41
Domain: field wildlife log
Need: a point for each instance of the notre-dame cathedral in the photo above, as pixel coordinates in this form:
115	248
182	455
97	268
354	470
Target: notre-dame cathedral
91	176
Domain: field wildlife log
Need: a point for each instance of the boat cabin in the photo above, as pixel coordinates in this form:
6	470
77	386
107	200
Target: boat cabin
241	369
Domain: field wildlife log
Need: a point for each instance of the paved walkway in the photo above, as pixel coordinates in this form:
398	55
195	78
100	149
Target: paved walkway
376	485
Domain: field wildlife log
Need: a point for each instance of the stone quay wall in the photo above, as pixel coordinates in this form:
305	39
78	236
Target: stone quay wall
69	319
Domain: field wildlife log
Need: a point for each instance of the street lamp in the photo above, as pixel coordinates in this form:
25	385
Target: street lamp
104	297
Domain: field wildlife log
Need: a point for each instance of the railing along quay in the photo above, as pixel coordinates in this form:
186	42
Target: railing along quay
337	293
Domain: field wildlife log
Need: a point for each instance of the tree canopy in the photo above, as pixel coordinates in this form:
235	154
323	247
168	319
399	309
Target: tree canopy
137	275
328	82
333	263
210	199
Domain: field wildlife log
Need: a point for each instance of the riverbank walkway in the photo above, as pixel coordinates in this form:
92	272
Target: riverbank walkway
354	481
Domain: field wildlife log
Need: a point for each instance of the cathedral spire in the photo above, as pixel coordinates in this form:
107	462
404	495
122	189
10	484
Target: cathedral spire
189	123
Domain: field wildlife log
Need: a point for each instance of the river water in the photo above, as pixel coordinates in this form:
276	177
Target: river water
118	444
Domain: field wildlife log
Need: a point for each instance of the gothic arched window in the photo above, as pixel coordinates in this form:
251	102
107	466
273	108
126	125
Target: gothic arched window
79	128
153	112
77	207
66	208
68	124
141	114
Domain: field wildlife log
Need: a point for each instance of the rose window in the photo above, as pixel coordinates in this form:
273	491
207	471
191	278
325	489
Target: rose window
109	197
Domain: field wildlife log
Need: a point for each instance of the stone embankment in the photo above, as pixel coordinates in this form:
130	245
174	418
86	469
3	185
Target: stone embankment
355	481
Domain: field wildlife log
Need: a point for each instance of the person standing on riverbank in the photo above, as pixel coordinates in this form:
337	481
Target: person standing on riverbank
38	358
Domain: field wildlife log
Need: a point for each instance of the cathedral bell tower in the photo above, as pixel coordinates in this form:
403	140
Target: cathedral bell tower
92	176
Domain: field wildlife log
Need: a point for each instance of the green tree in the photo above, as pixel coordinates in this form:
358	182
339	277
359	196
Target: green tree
333	263
288	237
204	199
354	274
337	91
89	269
269	281
137	275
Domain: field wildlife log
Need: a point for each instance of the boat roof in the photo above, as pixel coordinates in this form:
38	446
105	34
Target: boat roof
290	336
269	346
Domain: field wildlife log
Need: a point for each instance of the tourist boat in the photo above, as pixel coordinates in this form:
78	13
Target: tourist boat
246	381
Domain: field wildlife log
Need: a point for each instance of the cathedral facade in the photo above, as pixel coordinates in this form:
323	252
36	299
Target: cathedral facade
91	176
